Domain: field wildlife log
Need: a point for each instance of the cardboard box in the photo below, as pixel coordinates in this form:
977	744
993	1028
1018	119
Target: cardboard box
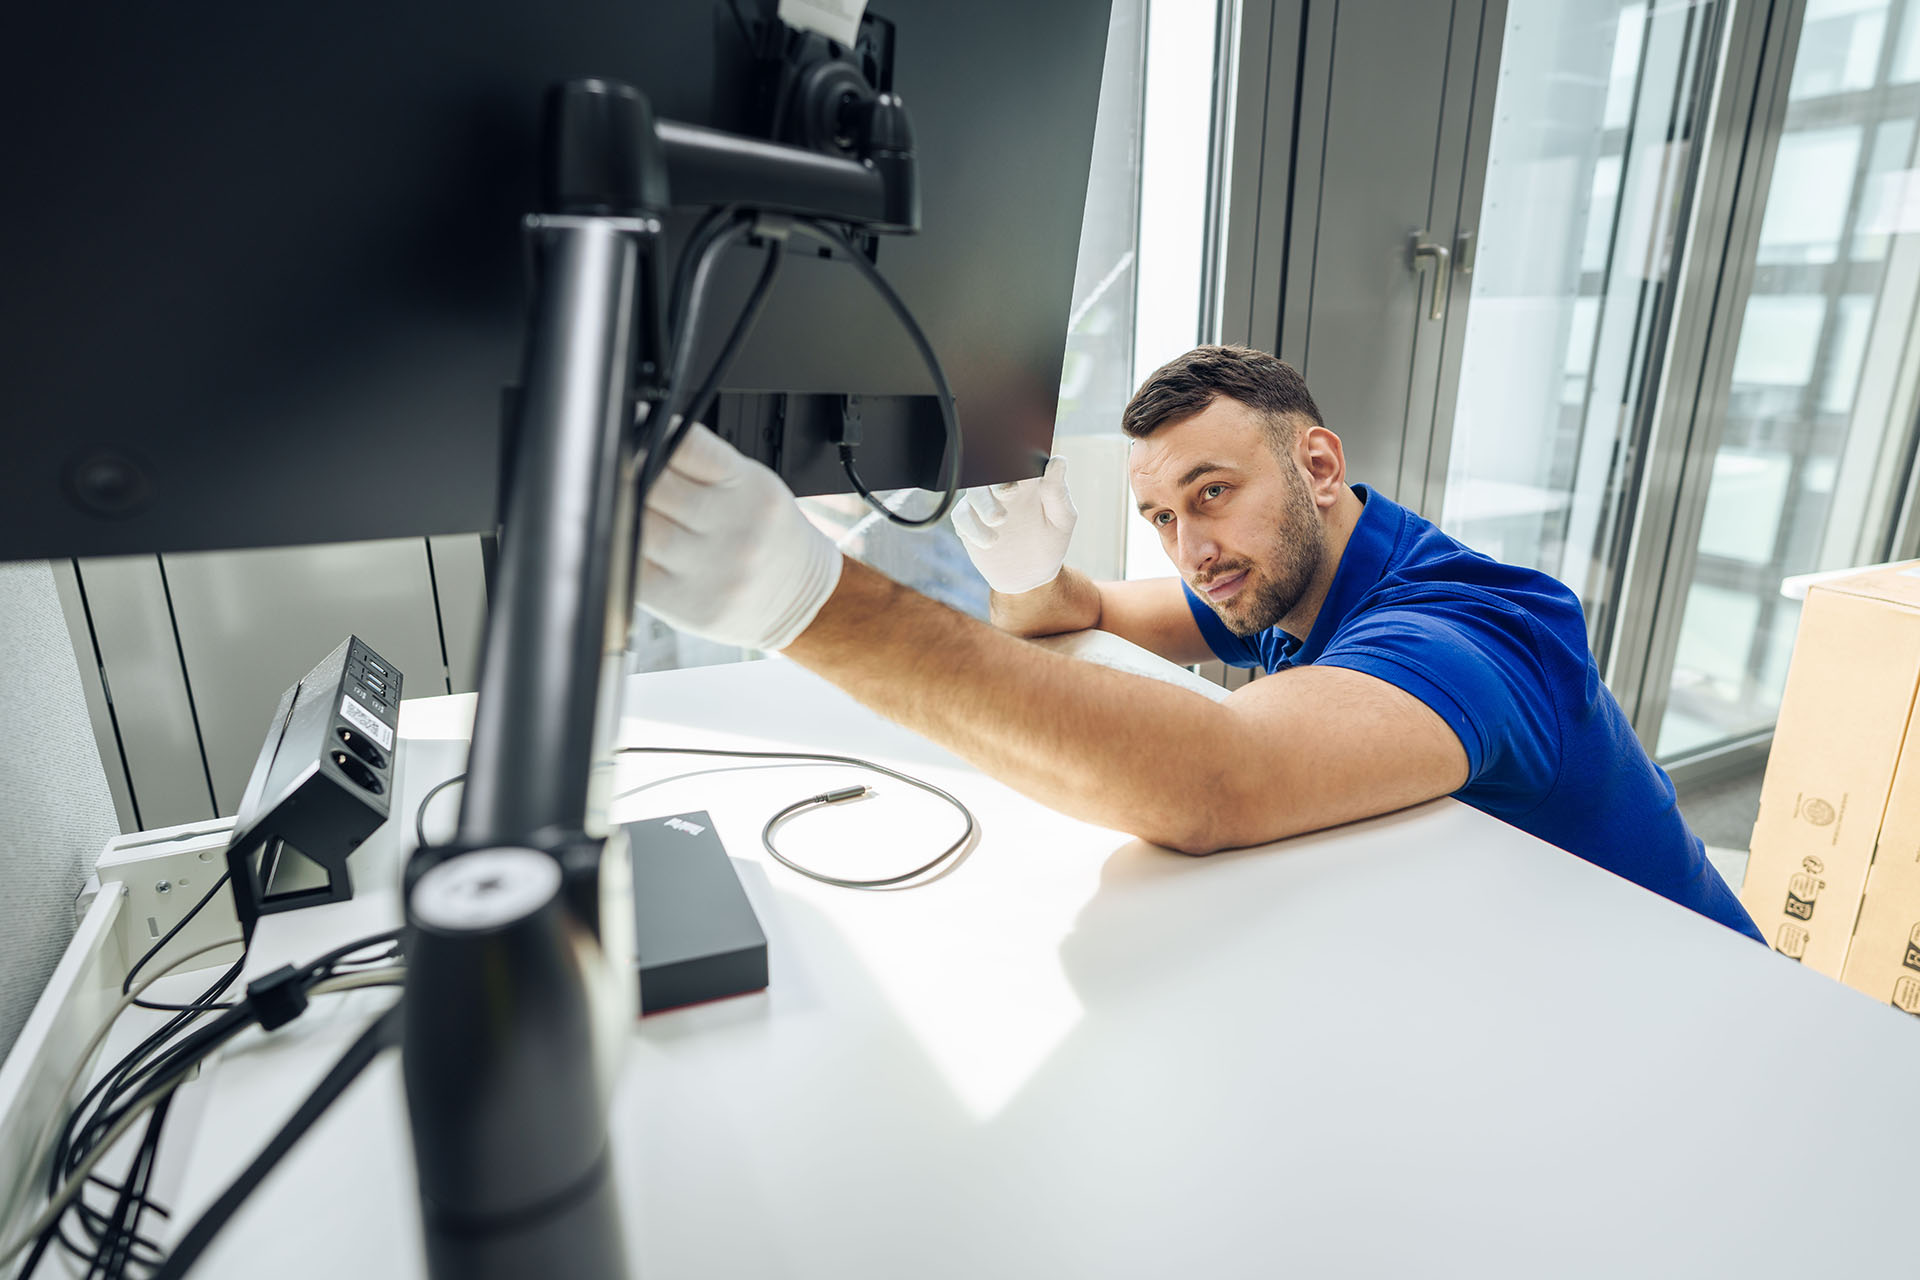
1843	773
1884	958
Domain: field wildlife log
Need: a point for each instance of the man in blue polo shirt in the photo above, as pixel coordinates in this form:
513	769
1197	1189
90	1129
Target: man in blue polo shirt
1407	666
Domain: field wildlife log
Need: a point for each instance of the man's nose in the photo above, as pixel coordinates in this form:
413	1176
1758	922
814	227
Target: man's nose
1197	551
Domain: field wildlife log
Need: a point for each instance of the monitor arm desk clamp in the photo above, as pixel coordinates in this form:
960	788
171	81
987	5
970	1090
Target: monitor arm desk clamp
512	927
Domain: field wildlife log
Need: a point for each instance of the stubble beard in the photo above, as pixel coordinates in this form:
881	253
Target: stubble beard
1293	559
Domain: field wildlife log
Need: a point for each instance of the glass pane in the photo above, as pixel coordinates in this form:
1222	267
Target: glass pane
1839	47
1097	378
1821	392
1906	54
1803	222
1584	175
1177	121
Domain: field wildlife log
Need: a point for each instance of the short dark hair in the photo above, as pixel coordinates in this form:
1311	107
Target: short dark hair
1187	384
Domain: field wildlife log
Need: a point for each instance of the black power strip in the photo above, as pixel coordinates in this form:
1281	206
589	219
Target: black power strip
324	782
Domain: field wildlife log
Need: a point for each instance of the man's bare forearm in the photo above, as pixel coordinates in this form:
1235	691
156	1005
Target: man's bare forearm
1120	750
1071	602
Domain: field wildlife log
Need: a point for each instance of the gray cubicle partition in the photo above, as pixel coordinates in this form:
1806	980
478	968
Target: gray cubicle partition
185	655
56	806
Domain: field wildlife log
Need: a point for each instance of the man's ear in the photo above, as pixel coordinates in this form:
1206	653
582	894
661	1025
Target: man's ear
1324	459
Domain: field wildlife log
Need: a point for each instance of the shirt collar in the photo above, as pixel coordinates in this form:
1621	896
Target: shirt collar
1362	564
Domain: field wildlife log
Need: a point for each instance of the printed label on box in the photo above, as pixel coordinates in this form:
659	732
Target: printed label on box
1802	889
1820	812
1791	941
366	722
1906	995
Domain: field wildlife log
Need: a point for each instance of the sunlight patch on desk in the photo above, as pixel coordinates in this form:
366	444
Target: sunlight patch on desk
967	964
987	1012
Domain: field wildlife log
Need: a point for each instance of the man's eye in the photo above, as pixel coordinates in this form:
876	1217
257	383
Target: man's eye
1213	491
1163	518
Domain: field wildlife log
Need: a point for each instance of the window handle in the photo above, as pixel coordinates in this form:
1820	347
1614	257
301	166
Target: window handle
1463	253
1442	262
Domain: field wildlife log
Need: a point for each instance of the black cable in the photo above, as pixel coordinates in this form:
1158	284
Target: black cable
949	414
79	1252
93	1223
153	1206
107	1089
96	1221
152	1052
153	1058
828	798
130	1204
324	966
74	1142
124	1223
714	235
713	224
667	424
701	247
155	1065
170	934
693	274
792	810
163	1070
381	1035
702	400
705	252
355	964
74	1146
198	1004
39	1250
420	814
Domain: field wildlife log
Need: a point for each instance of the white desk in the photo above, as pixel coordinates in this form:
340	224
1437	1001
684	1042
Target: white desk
1426	1045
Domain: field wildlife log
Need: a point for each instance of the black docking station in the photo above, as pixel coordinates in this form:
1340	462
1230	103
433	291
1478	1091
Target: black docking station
695	935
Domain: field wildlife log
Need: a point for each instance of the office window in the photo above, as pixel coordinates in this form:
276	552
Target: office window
1821	400
1578	219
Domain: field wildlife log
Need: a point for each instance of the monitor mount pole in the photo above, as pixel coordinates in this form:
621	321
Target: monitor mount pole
519	993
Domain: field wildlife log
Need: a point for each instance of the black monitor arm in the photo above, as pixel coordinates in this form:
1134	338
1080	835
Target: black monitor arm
515	978
880	193
609	155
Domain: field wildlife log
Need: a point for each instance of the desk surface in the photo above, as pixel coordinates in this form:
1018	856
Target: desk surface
1425	1045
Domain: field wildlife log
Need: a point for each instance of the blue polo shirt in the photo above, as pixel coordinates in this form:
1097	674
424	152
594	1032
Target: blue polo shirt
1500	653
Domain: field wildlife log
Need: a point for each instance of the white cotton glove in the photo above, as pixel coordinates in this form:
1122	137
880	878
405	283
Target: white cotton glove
725	553
1017	534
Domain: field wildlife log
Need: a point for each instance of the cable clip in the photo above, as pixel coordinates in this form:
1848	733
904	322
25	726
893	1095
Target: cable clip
279	997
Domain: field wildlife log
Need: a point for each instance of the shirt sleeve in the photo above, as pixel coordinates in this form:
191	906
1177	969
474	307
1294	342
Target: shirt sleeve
1235	651
1477	665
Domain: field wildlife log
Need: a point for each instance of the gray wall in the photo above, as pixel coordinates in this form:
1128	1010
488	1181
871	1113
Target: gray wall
55	810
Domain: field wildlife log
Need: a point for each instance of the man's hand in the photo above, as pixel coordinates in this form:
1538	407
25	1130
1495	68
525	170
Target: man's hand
1017	534
726	554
